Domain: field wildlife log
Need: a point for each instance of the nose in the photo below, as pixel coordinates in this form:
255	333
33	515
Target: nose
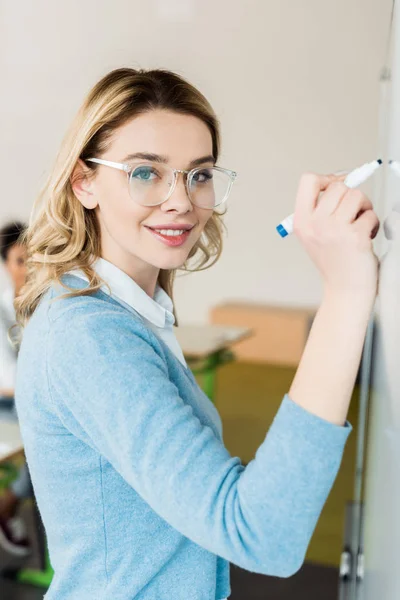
179	200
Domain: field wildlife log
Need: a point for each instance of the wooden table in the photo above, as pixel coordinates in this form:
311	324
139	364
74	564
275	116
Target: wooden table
206	347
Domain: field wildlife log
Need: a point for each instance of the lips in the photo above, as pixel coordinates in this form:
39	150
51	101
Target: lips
170	240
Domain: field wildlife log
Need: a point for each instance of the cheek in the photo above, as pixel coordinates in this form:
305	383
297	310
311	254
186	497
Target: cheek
121	216
203	216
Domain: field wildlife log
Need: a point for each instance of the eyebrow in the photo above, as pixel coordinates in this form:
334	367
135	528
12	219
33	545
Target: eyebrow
164	159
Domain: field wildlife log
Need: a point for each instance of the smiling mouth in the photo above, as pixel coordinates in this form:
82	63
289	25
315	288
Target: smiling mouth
171	237
171	227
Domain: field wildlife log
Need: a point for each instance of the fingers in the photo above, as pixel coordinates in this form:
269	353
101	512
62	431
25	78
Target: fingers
346	203
309	189
367	223
331	199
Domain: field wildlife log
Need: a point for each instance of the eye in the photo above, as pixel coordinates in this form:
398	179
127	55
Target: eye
202	176
145	173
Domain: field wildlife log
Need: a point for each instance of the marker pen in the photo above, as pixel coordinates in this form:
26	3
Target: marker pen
353	179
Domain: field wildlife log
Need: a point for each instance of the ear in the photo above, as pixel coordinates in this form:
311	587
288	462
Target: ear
82	183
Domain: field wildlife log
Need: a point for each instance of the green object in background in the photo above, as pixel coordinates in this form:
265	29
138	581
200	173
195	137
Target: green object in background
8	472
37	577
207	369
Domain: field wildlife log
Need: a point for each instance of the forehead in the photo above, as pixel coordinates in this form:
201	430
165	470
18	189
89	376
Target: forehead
180	137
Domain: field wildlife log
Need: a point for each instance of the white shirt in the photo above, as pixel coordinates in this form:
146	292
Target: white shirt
8	355
156	312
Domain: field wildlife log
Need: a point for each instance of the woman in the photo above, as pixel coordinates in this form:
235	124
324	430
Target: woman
139	496
13	537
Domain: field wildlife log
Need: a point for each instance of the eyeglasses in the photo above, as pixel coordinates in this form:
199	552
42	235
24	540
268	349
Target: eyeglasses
152	183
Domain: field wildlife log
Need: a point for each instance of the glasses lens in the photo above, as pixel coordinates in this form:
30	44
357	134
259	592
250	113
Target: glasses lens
209	187
150	183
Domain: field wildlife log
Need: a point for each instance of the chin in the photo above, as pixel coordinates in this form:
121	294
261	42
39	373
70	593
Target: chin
172	262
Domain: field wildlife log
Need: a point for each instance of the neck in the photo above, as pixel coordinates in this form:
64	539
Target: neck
143	274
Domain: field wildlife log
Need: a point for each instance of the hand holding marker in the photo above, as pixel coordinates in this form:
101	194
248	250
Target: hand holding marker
353	179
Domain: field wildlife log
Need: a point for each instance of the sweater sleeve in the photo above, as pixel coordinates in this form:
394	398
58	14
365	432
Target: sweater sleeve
110	388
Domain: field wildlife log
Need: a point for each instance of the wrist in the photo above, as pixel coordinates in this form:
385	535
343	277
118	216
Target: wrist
362	301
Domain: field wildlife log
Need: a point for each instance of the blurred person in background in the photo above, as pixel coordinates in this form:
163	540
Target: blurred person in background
13	538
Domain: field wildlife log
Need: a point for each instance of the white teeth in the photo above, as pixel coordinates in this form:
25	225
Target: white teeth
172	232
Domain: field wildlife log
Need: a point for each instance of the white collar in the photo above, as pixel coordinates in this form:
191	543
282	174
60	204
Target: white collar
158	310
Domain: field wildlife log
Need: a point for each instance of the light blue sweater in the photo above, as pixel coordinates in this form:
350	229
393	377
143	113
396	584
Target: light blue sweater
139	496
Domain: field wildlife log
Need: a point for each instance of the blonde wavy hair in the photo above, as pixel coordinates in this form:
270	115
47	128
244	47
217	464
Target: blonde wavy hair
62	234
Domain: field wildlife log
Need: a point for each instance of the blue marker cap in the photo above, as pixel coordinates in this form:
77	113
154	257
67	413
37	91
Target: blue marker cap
282	231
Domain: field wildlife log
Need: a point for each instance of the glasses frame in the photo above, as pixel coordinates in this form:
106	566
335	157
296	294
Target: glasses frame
128	169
